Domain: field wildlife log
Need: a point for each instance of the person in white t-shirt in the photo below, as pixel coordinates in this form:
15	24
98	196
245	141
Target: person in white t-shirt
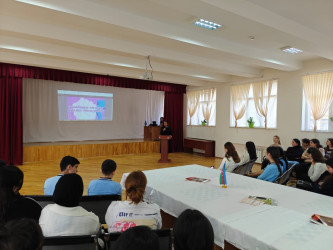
66	217
122	215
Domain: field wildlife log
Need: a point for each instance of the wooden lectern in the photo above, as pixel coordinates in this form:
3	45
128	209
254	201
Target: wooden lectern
164	148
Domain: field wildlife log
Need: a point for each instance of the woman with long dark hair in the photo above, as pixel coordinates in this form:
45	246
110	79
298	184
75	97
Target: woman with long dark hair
12	204
122	215
295	152
329	148
274	169
231	159
250	153
316	169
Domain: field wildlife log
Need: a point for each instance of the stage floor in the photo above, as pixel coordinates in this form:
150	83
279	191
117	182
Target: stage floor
47	151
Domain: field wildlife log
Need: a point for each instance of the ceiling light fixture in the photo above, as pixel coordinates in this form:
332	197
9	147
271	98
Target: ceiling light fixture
148	75
206	24
291	50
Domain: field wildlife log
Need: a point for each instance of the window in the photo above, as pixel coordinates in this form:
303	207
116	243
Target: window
317	102
323	124
201	105
251	110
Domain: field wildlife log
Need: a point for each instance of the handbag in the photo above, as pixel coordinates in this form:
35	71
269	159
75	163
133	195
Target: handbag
305	185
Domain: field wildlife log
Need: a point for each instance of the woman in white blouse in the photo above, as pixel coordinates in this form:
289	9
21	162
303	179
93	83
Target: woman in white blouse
231	159
66	217
250	153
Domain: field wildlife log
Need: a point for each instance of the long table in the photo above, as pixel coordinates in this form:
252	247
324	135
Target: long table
285	226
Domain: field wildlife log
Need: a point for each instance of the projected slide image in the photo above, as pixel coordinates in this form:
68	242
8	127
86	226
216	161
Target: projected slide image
85	106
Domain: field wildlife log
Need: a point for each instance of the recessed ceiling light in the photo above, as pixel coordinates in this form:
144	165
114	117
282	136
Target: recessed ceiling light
206	24
291	50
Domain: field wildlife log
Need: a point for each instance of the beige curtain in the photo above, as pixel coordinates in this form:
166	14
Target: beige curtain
262	95
239	96
192	103
318	90
208	97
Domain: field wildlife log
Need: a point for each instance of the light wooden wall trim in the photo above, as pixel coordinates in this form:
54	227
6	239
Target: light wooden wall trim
56	152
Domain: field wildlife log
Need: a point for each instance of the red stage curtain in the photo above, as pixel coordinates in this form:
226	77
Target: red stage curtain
173	112
11	102
86	78
11	144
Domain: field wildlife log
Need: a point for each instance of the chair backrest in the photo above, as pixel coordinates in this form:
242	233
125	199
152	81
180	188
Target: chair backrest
98	204
242	169
82	242
284	178
42	200
164	236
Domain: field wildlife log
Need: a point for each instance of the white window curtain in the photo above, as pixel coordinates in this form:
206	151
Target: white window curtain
201	105
192	103
239	97
251	110
262	94
318	91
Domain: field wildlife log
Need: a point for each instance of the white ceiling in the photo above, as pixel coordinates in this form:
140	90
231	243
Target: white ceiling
114	36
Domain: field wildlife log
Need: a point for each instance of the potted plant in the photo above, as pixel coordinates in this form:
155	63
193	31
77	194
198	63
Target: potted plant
250	122
331	118
203	123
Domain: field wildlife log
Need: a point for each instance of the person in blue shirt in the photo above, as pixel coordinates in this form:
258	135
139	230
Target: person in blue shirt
273	170
68	165
105	185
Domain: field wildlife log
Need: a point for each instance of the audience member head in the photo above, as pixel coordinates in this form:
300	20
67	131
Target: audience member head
273	155
15	178
315	155
295	143
276	139
329	143
314	143
109	167
69	165
230	151
22	234
251	149
193	231
305	143
2	163
135	185
68	190
137	238
329	166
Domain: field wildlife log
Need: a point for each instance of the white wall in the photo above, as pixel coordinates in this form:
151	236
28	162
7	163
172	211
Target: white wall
289	112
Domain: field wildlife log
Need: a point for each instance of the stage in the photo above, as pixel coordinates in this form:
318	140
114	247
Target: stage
48	151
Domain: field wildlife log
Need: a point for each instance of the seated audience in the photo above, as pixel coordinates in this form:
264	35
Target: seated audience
21	234
272	170
66	217
326	185
12	204
122	215
137	238
316	169
68	165
250	153
193	231
105	184
277	142
294	153
329	148
231	159
314	143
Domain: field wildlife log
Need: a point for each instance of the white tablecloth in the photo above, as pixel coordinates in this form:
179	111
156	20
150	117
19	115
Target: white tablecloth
285	226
